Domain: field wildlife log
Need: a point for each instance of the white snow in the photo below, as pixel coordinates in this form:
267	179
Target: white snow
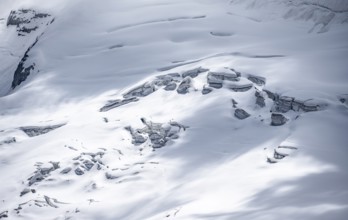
217	169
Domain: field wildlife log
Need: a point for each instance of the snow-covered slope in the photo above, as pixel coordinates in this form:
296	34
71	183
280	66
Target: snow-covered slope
150	109
322	13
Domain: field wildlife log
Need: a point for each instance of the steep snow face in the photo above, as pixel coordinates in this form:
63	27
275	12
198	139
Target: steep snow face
174	110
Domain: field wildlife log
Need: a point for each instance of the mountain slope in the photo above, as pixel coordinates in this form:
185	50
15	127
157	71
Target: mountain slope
174	110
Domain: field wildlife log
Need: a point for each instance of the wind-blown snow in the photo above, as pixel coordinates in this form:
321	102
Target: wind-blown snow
68	159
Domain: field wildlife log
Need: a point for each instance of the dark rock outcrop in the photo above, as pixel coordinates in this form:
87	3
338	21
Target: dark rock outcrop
158	134
33	131
240	88
258	80
23	69
194	72
79	171
206	90
241	114
110	176
271	95
117	103
278	119
137	137
26	20
141	91
66	170
85	162
8	141
284	104
170	87
164	80
184	85
26	191
234	103
216	79
260	100
4	214
42	172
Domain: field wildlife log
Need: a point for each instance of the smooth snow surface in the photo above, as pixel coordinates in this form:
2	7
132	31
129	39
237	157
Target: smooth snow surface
218	167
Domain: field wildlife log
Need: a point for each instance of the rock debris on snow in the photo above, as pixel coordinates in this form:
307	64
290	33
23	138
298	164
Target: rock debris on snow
33	131
158	134
241	114
278	119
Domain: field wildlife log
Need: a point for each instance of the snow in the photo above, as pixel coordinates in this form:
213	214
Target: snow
217	168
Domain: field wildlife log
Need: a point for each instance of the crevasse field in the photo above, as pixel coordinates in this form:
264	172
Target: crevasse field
174	109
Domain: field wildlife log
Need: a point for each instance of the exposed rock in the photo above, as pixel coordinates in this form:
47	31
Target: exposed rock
271	160
50	202
241	114
85	162
310	106
36	178
66	170
42	172
141	91
297	105
27	30
25	191
194	72
234	103
271	95
184	86
288	147
277	155
24	16
33	131
258	80
8	141
16	19
241	88
283	104
216	85
79	172
23	69
216	77
170	87
278	119
260	100
215	81
173	75
159	134
238	74
206	90
164	80
306	106
117	103
26	20
178	125
343	98
88	164
110	176
137	138
94	155
4	214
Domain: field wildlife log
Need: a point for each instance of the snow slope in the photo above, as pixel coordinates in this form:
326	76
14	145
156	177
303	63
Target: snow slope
64	156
